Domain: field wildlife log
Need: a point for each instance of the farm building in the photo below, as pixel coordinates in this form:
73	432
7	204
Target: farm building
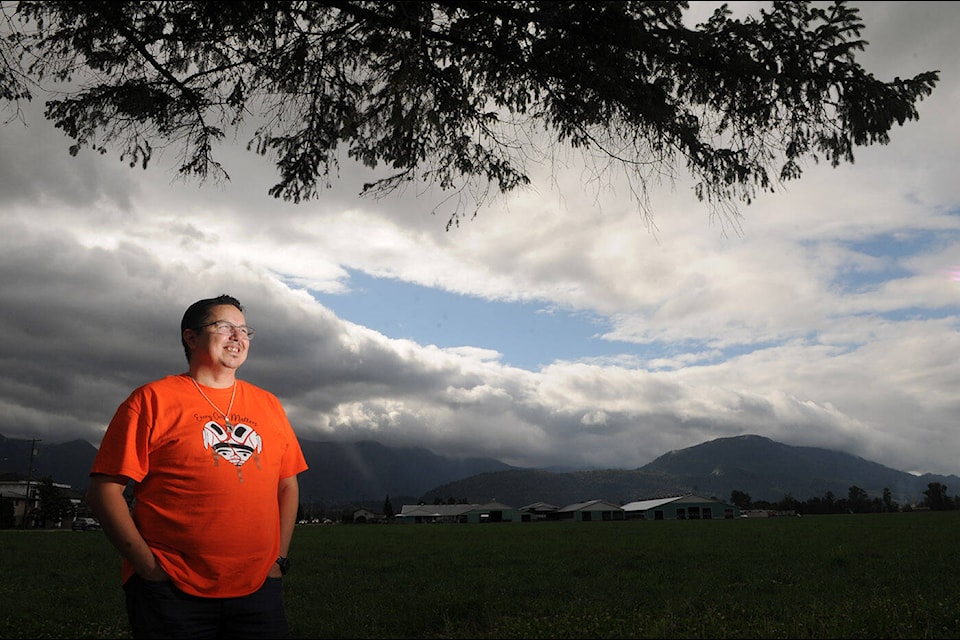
25	510
365	515
418	513
539	511
591	511
686	507
465	513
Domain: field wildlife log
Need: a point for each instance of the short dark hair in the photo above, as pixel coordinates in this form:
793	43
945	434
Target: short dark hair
198	313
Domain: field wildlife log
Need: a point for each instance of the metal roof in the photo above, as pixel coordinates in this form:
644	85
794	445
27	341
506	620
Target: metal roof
646	505
592	505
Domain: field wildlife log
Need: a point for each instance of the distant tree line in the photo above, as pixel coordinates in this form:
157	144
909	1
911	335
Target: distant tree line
857	501
55	505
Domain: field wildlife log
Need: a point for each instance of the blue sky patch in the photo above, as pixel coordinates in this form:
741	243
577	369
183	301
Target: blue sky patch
528	334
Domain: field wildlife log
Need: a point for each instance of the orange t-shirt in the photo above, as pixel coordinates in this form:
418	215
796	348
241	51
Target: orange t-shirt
205	497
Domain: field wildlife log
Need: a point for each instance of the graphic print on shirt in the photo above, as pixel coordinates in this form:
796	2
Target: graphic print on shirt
235	445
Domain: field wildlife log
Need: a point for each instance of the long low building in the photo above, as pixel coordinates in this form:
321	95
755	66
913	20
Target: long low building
459	513
592	511
686	507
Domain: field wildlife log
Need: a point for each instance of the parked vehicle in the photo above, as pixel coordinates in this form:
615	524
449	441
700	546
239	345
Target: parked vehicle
86	524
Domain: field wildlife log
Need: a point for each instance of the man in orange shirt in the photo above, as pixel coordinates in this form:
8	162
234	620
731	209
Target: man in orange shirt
214	463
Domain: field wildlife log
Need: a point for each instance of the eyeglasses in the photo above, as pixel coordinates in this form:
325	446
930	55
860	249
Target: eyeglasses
225	328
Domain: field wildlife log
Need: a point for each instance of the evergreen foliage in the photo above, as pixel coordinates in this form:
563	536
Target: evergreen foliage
463	95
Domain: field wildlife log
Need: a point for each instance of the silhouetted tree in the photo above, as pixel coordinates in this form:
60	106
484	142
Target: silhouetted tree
888	503
857	499
55	505
388	511
829	502
463	95
789	503
740	499
936	498
7	518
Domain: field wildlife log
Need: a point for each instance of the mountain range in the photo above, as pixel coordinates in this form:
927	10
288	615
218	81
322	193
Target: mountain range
762	468
367	473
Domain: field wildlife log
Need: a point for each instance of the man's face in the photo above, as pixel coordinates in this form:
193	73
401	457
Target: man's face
222	343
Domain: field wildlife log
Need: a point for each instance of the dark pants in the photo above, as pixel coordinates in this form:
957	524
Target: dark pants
160	610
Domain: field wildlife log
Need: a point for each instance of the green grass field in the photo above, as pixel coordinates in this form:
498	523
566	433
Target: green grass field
854	576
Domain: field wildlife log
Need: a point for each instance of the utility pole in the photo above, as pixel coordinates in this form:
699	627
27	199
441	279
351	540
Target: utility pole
26	495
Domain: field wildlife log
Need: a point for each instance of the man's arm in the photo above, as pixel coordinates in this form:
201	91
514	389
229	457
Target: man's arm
105	497
288	497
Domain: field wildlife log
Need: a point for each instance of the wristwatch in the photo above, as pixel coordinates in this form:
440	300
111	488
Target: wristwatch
284	563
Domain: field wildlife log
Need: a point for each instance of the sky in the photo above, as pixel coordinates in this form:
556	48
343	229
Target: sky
558	328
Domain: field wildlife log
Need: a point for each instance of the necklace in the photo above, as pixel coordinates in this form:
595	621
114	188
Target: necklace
226	416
